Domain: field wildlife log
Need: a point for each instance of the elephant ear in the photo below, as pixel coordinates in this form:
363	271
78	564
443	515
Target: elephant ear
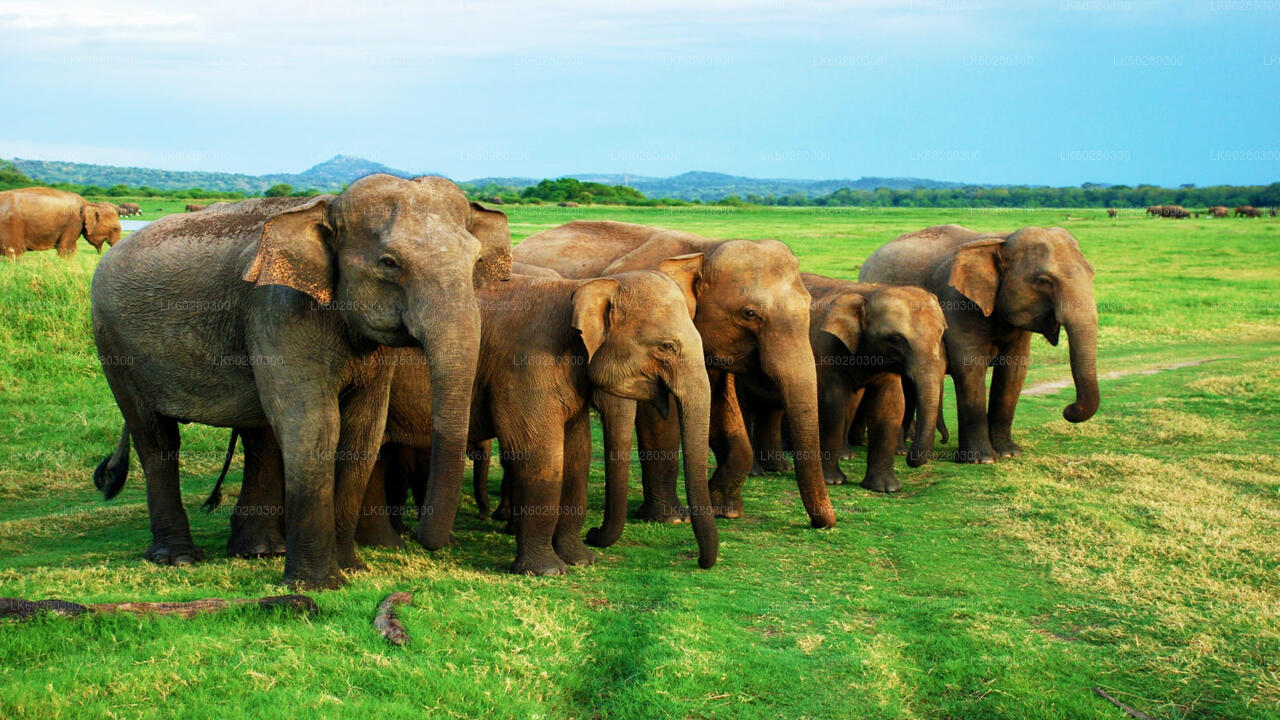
294	251
490	228
845	319
685	270
89	215
976	271
592	303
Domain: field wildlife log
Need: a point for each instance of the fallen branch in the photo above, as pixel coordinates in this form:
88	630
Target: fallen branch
386	621
1127	710
20	609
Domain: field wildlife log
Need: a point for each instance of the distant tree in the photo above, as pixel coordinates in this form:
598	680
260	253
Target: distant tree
279	190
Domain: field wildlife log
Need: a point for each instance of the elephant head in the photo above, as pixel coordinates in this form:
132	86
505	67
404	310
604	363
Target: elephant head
101	224
1037	279
897	329
642	345
399	260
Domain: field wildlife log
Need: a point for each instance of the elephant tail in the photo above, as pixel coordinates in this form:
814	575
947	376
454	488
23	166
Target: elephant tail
111	473
215	496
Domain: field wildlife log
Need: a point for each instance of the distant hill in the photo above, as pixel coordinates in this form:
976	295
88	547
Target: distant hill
340	170
331	174
711	186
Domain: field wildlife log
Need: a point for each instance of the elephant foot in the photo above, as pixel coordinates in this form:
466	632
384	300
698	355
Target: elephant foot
573	552
882	482
544	562
663	512
348	562
984	455
1006	448
756	470
772	464
330	579
600	537
726	504
177	553
503	513
835	477
254	540
847	453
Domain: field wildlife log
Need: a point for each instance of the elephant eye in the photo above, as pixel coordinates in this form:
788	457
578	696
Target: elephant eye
1044	281
669	347
750	314
388	262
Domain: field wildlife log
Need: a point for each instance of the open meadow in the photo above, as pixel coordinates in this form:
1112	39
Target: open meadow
1138	552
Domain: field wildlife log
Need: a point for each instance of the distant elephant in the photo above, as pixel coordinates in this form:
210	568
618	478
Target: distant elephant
192	207
129	209
493	200
1111	212
752	311
1274	211
867	338
1154	210
568	204
1248	211
282	324
995	290
1218	211
38	218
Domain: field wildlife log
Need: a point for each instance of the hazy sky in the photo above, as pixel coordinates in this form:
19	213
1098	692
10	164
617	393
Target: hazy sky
1057	92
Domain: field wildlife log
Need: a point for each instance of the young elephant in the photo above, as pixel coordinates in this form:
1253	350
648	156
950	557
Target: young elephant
868	339
275	313
996	290
546	346
39	218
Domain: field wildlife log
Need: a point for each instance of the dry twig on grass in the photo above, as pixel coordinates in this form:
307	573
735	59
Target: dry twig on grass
1131	712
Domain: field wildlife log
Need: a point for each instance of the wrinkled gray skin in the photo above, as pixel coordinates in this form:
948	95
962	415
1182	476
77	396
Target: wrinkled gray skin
996	290
273	313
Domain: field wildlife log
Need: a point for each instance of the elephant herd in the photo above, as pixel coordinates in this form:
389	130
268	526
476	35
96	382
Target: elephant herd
368	343
1217	211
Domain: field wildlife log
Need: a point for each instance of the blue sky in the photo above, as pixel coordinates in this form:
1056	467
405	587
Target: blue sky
1058	93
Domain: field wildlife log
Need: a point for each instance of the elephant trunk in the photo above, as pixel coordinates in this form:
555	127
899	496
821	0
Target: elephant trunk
693	400
789	363
926	373
452	345
618	421
1080	318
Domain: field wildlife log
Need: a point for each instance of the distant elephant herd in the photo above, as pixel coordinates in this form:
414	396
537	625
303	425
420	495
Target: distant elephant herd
366	345
1217	211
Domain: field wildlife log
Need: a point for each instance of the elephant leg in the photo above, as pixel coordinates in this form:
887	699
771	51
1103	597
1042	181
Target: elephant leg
1006	385
157	442
833	407
618	418
659	441
258	522
362	421
66	242
567	540
536	496
503	512
480	454
767	440
971	409
399	477
374	524
857	423
731	446
886	407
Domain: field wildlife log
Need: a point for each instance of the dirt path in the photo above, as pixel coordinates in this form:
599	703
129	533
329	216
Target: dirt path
1048	388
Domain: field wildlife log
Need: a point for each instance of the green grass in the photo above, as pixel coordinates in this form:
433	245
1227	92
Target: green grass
1138	552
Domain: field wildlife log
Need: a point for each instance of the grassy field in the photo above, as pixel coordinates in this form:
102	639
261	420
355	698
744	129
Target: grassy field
1138	552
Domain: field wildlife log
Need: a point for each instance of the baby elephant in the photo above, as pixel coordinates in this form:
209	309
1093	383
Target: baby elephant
546	346
870	339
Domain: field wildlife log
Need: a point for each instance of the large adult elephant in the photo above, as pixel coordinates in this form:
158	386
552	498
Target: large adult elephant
752	311
275	313
996	290
866	339
39	218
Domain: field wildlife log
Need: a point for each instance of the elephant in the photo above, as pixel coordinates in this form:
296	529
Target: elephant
128	209
193	207
995	290
547	345
1154	210
867	340
1275	211
1111	212
752	311
38	218
1218	211
277	313
1248	211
